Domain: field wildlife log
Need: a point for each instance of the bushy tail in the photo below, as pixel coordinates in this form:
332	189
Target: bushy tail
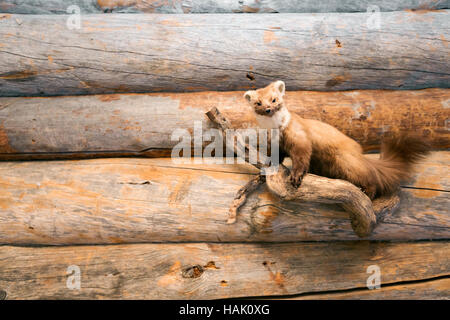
398	155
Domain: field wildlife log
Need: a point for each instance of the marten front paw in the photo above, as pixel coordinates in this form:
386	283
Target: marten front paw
296	178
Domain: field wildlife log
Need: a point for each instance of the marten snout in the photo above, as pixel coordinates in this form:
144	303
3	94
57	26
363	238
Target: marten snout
267	110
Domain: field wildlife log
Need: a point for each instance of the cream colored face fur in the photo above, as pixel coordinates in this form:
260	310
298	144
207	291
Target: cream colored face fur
279	120
268	104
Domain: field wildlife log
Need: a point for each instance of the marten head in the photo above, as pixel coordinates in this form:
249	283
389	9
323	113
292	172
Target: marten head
267	101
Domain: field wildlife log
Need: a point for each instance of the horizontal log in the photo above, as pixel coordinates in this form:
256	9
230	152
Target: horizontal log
212	271
148	53
214	6
142	124
154	200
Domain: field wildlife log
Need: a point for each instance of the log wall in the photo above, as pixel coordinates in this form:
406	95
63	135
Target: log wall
148	53
154	229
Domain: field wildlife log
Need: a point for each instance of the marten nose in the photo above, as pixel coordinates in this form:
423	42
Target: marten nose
267	110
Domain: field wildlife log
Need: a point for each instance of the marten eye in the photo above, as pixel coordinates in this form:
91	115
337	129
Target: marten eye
274	100
258	103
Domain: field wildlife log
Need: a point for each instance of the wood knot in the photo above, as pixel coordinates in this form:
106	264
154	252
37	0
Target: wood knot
3	294
211	265
192	272
335	81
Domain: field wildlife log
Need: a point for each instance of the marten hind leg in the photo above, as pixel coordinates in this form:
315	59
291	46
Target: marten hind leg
369	190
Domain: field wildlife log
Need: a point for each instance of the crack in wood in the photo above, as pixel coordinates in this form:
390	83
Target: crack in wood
355	289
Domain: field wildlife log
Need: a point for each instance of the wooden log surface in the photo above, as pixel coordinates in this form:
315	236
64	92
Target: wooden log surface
214	6
211	271
154	200
429	289
142	124
147	53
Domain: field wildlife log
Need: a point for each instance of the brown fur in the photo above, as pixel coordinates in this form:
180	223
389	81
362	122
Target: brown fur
319	148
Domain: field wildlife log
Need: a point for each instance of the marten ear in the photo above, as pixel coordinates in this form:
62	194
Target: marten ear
249	95
279	85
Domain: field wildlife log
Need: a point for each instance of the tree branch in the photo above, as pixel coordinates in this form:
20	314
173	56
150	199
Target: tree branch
313	188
